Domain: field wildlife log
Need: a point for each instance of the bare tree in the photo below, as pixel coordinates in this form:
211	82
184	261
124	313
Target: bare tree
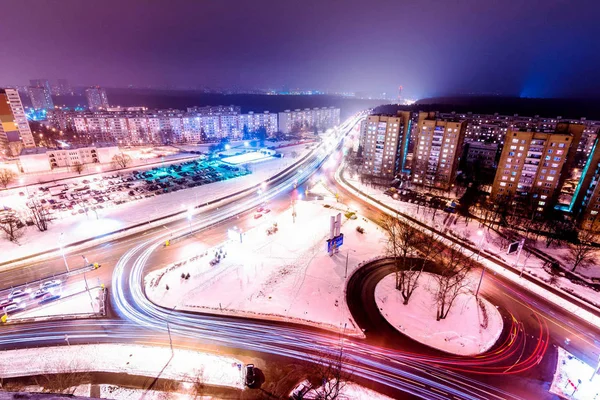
198	383
7	176
451	280
328	370
12	226
65	379
77	167
121	160
39	214
400	242
583	252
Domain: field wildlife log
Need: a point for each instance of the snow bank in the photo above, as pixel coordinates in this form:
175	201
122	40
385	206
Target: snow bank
284	276
121	358
465	331
572	378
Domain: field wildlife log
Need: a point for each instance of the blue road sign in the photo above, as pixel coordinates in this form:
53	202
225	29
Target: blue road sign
335	243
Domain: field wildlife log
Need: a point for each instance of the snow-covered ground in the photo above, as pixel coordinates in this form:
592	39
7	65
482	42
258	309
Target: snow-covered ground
572	378
150	361
80	227
348	391
492	243
465	331
284	276
83	303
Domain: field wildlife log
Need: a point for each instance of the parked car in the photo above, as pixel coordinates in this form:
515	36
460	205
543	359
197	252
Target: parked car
250	375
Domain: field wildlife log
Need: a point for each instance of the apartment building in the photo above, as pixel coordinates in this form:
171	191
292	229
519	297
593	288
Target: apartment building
41	98
137	126
384	141
437	150
96	98
308	119
533	165
13	122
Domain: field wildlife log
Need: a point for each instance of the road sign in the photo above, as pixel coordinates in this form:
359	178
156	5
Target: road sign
335	243
513	247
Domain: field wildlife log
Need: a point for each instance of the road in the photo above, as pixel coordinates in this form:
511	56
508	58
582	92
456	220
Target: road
394	367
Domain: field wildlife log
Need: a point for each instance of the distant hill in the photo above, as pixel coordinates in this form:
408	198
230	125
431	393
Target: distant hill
565	108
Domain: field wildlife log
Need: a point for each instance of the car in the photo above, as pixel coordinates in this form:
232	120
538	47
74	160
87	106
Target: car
257	216
6	302
48	299
39	293
260	209
15	294
49	284
11	308
250	375
266	211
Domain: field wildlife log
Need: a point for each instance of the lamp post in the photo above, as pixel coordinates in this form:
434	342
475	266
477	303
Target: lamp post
480	233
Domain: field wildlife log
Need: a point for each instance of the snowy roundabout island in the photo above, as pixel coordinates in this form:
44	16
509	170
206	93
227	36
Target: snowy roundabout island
472	326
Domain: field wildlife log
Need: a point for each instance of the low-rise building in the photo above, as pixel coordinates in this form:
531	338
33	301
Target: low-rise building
40	159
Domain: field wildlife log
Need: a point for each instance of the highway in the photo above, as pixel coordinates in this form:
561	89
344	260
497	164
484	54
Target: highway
518	367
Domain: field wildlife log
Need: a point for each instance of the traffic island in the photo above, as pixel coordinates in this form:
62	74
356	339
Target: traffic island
472	326
281	269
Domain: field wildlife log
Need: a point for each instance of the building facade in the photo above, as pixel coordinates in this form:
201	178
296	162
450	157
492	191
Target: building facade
41	98
96	98
13	121
533	166
384	141
40	159
437	150
309	119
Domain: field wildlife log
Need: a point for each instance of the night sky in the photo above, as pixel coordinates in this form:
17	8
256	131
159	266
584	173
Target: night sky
532	48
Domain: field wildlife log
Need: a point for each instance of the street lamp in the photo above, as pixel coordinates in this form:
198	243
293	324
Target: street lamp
480	233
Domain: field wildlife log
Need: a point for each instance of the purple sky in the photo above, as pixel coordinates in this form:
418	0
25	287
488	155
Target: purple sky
527	47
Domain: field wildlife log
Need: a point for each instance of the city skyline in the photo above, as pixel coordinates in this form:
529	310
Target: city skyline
508	49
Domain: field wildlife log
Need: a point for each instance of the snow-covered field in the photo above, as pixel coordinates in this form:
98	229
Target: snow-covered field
80	227
465	331
492	244
150	361
284	276
572	378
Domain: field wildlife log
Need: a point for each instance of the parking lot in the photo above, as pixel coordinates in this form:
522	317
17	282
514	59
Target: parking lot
88	195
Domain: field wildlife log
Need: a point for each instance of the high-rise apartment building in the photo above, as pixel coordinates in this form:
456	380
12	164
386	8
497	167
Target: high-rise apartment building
41	98
533	166
40	83
13	121
437	150
384	140
585	204
96	98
